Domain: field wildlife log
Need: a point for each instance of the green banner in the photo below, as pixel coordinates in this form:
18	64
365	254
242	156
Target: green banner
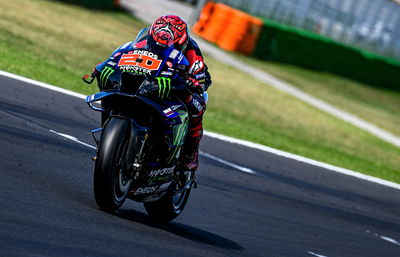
286	44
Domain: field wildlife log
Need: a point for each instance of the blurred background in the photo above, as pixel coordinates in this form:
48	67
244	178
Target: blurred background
369	24
357	39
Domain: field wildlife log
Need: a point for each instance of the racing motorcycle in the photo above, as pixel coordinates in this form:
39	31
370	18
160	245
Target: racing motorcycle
140	141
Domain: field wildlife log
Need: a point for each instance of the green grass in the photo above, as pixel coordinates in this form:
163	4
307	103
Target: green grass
376	105
240	106
58	43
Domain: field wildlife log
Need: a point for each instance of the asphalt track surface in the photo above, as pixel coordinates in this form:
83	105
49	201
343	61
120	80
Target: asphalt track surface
286	208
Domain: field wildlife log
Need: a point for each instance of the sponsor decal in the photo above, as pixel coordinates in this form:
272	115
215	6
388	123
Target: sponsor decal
175	107
173	54
169	64
164	87
200	76
168	112
112	63
134	69
180	57
180	130
140	61
196	67
146	53
105	75
163	187
145	190
197	104
161	172
166	73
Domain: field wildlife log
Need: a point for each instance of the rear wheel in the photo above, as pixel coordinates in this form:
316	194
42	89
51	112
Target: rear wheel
111	180
169	207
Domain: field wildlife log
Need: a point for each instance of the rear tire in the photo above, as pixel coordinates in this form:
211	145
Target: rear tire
111	182
167	208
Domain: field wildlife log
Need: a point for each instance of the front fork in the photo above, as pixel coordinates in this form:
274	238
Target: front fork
137	142
135	154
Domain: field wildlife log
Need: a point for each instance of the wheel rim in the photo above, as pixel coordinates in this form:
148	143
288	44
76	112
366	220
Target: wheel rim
178	201
122	181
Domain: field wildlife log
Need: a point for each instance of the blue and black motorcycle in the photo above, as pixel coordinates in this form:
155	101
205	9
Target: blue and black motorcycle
144	127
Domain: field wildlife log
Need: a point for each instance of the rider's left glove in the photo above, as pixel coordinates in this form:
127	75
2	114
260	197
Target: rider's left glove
196	84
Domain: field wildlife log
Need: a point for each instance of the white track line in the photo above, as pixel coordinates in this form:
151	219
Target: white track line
390	240
233	140
230	164
318	255
72	138
302	159
42	84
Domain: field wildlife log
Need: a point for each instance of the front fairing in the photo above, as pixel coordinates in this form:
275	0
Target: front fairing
146	61
156	97
169	111
161	71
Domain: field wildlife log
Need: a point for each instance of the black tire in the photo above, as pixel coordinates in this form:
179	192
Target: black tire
167	208
111	182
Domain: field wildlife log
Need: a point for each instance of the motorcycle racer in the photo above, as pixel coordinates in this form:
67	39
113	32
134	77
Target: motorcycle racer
164	32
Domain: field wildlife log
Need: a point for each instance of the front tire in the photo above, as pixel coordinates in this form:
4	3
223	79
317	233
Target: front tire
111	182
169	207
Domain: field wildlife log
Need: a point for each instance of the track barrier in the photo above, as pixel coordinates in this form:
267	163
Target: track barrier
230	29
237	31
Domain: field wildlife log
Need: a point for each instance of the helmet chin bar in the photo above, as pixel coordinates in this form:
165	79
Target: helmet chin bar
164	37
173	25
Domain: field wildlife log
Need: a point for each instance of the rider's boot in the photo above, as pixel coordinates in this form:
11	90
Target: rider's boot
190	149
189	160
190	156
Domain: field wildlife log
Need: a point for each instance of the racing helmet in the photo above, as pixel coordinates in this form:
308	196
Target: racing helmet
166	26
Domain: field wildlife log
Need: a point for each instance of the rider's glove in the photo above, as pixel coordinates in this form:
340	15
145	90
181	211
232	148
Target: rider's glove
197	74
95	72
196	84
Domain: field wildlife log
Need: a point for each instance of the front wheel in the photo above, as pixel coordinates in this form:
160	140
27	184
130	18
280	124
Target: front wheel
169	207
111	181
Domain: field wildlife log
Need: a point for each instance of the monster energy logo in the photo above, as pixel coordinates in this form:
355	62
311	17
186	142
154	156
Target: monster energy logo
105	74
164	86
179	132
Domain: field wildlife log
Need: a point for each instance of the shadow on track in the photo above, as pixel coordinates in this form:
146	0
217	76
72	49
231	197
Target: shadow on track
185	231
